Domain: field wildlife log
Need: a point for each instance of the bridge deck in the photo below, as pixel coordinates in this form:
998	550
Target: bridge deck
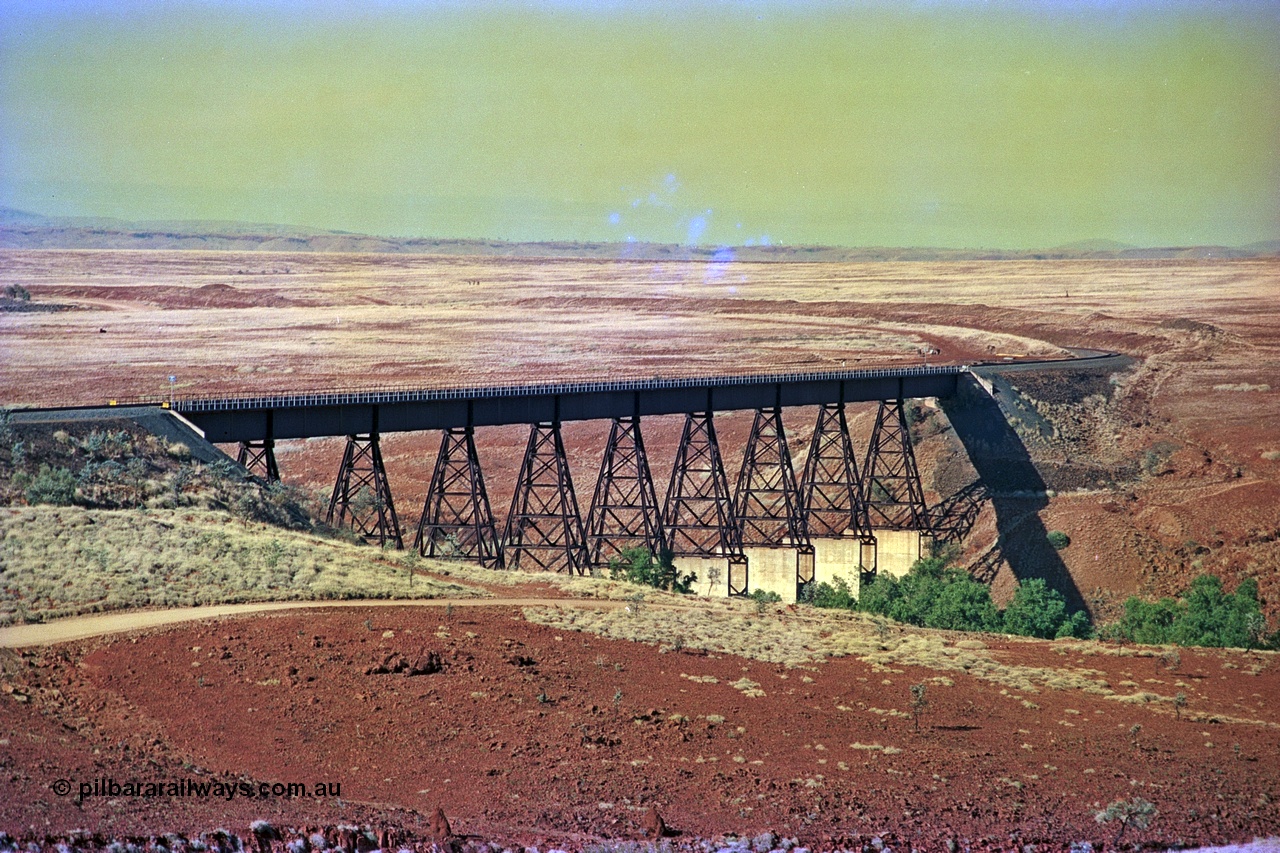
230	419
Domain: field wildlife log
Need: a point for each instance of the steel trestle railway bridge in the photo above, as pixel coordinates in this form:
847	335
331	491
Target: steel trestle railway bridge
821	523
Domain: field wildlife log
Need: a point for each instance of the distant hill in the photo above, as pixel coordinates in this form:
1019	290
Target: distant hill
23	230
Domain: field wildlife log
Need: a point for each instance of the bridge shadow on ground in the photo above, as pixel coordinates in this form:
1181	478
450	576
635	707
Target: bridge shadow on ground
1016	489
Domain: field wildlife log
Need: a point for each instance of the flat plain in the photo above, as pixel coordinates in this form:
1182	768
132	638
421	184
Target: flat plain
559	726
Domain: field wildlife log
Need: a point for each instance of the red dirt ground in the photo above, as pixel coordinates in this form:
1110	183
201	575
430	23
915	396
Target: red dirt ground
287	697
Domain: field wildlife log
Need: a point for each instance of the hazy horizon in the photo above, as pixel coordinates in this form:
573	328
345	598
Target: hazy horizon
949	124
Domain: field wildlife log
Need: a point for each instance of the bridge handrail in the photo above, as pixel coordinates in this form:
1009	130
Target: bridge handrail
413	395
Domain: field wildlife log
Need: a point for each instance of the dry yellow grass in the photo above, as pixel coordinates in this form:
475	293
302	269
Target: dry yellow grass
803	640
64	561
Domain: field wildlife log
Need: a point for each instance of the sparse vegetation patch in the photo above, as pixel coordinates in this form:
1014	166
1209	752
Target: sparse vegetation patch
67	561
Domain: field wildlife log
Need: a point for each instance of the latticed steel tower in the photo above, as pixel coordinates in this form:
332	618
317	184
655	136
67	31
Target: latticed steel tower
543	527
830	490
698	515
767	500
891	487
624	510
259	459
457	520
361	497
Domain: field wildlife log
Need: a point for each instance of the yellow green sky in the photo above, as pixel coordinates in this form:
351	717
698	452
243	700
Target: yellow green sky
945	123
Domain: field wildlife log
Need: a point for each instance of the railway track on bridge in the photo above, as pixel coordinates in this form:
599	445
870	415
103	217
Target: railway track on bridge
839	497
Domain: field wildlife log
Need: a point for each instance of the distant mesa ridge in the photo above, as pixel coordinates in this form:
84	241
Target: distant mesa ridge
23	230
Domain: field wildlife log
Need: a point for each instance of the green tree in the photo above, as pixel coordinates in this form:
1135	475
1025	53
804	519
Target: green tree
1207	616
879	594
1076	625
963	604
1213	618
933	594
1035	611
1149	622
917	591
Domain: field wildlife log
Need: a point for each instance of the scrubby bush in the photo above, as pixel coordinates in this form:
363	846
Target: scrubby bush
1038	611
1058	539
1206	616
835	595
1135	812
933	594
109	444
55	486
763	598
641	566
937	594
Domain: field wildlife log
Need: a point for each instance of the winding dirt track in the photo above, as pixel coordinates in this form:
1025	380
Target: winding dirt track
83	627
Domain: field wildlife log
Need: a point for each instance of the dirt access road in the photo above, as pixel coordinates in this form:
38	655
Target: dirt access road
83	627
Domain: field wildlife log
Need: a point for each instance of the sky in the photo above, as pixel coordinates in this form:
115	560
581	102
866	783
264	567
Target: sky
949	123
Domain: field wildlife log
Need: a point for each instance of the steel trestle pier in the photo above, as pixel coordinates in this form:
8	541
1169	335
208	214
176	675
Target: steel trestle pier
457	520
361	497
624	512
544	527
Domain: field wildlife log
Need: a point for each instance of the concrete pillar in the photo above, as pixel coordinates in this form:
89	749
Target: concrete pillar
838	558
897	550
773	570
712	572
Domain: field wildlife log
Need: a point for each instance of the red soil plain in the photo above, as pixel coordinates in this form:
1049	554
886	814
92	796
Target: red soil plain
1157	473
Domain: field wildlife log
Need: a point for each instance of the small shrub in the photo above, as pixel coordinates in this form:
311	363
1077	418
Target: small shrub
918	703
1058	539
835	595
55	486
1135	812
763	599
